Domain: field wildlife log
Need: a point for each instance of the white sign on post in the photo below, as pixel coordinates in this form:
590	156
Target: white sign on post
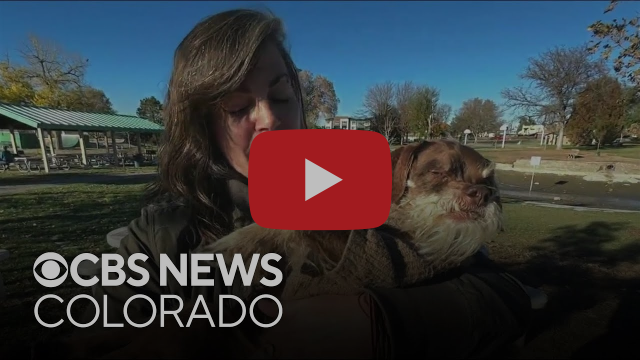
504	133
535	162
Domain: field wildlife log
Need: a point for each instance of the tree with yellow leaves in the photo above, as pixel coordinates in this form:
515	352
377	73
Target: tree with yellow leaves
15	87
50	77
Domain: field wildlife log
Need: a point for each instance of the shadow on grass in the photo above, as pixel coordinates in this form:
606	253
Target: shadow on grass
583	271
620	341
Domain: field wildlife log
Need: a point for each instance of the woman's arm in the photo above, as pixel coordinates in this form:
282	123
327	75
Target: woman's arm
427	321
140	239
321	327
474	314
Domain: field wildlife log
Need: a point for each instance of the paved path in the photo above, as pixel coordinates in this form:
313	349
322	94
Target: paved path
569	190
572	200
14	187
578	208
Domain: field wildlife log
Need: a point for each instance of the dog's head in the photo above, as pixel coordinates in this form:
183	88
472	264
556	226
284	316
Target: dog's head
447	193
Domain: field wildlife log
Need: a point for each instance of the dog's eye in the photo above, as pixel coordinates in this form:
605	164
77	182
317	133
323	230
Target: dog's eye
437	172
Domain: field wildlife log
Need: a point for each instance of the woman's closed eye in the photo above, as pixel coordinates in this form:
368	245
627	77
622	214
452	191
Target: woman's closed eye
237	105
237	111
281	100
281	93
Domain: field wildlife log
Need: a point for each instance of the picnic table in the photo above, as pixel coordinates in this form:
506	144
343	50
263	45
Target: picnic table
23	164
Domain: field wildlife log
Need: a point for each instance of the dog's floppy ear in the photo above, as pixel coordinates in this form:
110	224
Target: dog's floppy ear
401	162
498	199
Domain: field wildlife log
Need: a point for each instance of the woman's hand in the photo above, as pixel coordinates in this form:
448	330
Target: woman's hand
328	326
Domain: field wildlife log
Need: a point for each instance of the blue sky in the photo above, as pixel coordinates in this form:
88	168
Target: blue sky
466	49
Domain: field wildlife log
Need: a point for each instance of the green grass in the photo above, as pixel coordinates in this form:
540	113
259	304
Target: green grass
588	263
68	220
572	253
629	151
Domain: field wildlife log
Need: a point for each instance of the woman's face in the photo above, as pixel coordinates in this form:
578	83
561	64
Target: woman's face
265	101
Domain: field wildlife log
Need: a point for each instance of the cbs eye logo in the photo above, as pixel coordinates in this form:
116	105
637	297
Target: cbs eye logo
53	266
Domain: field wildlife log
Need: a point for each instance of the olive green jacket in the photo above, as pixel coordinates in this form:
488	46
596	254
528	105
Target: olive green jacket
458	316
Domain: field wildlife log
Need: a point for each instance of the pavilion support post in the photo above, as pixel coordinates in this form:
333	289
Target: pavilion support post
113	145
50	142
83	150
139	141
42	150
14	145
106	141
58	136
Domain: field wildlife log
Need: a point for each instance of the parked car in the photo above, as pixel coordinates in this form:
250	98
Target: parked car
620	141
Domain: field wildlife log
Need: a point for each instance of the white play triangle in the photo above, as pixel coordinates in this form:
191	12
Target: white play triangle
317	179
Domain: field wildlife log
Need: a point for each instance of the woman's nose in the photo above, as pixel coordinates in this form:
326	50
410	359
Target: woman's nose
264	117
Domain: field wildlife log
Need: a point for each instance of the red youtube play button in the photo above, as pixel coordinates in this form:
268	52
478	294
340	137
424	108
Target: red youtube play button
320	179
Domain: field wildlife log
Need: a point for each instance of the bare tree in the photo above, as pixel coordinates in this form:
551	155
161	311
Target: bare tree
52	71
440	121
443	113
477	115
404	93
379	103
553	80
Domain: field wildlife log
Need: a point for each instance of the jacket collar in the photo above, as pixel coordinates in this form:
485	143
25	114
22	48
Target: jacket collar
239	192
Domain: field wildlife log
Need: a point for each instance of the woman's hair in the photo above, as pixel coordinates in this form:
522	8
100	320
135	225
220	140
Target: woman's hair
211	61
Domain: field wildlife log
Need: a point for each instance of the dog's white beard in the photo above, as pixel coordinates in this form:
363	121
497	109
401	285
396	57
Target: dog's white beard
445	241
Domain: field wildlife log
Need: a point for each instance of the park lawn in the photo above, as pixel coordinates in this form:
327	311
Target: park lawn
630	151
576	255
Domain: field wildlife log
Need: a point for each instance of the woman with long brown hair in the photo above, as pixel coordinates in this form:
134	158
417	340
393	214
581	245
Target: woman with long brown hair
233	79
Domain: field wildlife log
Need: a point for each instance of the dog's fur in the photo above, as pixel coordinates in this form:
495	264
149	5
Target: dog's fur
444	199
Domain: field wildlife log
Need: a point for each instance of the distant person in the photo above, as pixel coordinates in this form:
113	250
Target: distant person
232	79
7	156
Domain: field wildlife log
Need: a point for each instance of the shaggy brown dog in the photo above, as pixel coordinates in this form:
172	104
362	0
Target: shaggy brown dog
445	203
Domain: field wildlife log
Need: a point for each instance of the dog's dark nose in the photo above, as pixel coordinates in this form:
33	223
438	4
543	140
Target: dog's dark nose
481	194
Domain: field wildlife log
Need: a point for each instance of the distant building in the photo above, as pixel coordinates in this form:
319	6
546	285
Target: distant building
348	123
528	130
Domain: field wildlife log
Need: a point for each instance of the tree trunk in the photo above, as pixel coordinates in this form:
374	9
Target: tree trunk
560	137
